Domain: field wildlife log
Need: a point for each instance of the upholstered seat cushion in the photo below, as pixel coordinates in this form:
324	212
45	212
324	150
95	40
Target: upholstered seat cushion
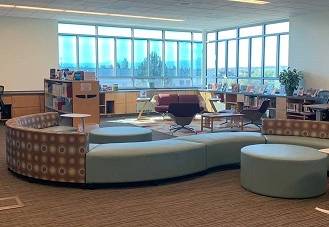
298	140
120	135
224	147
59	128
132	162
161	109
281	170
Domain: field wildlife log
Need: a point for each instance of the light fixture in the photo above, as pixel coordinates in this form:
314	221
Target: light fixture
258	2
86	12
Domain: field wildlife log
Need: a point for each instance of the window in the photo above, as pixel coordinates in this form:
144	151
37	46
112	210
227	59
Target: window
140	58
254	54
243	58
105	59
170	59
76	29
144	33
178	35
87	53
133	57
67	52
123	53
270	56
114	31
184	61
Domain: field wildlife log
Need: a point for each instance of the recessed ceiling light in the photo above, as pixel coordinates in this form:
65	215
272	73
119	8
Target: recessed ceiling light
258	2
87	12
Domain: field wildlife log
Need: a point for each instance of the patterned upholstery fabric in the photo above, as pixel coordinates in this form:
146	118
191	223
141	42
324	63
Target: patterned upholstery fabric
315	129
53	156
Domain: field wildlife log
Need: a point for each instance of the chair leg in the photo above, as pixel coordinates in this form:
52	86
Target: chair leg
175	128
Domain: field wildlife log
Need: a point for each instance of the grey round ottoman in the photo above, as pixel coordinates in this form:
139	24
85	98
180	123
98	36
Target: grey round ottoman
285	171
122	134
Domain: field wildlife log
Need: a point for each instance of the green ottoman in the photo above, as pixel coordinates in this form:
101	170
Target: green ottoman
281	170
120	135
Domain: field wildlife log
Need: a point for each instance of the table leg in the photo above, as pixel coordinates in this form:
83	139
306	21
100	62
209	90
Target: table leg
212	124
83	124
318	115
201	123
141	111
241	121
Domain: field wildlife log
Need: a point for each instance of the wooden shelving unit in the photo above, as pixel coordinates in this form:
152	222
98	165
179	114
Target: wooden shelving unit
73	97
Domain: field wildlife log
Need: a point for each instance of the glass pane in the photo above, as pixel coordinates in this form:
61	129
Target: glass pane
231	65
197	36
76	29
284	52
67	48
155	57
170	58
148	83
221	64
184	69
270	56
123	57
122	82
211	60
256	57
229	34
197	59
140	58
211	36
251	31
145	33
177	82
87	53
277	28
253	82
178	35
272	85
244	58
105	58
114	31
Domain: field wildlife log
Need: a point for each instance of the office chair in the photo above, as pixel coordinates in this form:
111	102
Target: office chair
254	115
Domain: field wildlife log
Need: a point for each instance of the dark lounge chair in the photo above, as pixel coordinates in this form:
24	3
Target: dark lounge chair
254	115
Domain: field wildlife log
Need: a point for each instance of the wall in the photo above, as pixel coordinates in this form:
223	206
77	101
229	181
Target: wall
28	50
309	48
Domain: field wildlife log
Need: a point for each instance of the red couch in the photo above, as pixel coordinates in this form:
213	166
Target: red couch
163	101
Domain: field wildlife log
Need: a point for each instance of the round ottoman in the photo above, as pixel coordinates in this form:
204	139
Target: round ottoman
122	134
285	171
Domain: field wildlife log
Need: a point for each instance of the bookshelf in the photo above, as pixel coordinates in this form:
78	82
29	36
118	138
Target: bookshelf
65	97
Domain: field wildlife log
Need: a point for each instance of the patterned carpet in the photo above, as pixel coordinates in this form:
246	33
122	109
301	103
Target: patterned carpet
215	199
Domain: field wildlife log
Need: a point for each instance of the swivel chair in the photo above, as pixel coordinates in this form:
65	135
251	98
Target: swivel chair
254	115
183	114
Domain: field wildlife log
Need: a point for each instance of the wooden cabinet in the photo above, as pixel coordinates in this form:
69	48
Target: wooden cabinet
120	102
24	103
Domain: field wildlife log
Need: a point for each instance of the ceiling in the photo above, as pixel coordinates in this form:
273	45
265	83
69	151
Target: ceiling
197	14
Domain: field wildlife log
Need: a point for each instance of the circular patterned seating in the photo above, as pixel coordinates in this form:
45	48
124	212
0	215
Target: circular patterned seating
281	170
121	134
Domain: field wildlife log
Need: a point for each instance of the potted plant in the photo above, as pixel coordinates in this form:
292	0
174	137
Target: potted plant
290	78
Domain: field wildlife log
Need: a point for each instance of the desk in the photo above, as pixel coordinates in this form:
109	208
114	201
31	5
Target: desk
76	115
319	109
145	101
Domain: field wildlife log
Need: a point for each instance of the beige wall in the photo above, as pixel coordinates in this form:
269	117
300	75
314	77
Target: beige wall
309	48
28	50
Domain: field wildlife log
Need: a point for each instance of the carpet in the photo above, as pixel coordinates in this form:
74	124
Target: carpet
159	124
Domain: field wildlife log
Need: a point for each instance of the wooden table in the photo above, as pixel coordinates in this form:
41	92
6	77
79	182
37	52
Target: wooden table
319	109
145	101
207	119
77	115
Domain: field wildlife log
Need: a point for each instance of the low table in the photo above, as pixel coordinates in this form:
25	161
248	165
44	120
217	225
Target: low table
282	170
77	115
207	119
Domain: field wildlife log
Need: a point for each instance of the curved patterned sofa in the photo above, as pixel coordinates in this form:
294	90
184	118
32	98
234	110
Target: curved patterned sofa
54	155
35	151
